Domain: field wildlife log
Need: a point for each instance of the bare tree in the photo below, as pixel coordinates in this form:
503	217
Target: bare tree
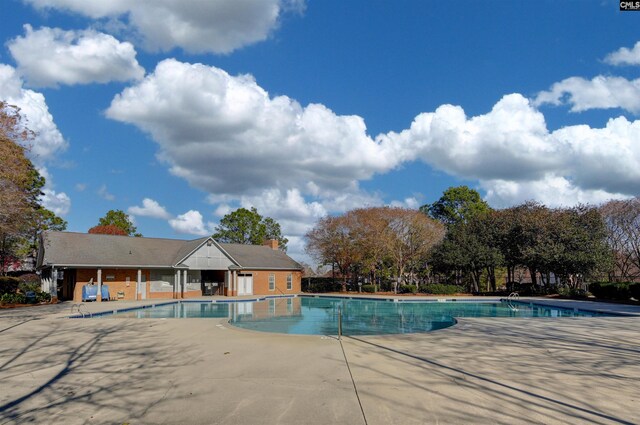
622	218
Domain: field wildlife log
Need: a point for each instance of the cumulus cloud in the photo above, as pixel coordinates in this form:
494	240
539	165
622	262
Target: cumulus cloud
601	92
227	136
190	223
552	190
515	157
511	141
48	57
150	208
59	203
624	56
195	26
48	141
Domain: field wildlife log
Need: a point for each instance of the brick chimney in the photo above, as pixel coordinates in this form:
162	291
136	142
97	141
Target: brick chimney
271	243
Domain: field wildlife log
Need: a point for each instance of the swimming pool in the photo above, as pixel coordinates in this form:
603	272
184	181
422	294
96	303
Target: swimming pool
319	315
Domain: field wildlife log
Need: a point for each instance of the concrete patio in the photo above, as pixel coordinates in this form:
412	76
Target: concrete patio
203	371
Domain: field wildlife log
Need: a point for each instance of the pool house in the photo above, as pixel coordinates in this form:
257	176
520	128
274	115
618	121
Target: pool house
87	267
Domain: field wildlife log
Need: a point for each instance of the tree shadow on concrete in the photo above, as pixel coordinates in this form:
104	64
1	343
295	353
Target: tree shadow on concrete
75	369
459	363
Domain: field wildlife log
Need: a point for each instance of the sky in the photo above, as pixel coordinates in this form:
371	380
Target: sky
180	111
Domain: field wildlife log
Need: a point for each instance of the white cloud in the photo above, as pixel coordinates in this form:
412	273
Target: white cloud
195	25
511	141
150	208
48	141
410	202
48	57
624	56
599	93
104	193
190	223
225	135
515	158
81	187
552	190
59	203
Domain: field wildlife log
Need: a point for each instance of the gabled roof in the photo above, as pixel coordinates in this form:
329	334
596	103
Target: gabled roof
83	249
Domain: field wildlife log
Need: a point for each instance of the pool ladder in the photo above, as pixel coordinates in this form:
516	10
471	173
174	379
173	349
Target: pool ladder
514	296
81	308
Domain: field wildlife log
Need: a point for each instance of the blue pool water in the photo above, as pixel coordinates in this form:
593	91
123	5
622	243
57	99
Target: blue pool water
319	316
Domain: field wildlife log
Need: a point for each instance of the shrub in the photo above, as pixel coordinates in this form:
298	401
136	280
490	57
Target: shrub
43	297
634	289
611	290
8	285
521	288
407	289
571	292
321	284
440	289
369	288
13	299
29	287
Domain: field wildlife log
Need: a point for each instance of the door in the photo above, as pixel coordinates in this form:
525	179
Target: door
245	284
142	287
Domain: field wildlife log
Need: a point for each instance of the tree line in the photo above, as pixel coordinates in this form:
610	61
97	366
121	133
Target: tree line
460	240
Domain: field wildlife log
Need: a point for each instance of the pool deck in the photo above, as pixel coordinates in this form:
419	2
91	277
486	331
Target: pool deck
204	371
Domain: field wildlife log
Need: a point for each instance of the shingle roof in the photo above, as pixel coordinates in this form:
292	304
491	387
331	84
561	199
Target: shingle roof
259	257
83	249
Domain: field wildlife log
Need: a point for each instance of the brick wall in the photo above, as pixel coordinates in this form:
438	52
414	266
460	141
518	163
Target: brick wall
117	284
261	282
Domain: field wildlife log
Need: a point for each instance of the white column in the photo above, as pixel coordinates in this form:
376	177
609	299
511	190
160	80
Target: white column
176	281
53	289
139	282
185	278
99	297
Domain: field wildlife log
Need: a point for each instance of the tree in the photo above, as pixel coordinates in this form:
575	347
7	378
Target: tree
622	220
20	185
109	229
120	219
42	220
249	227
379	240
330	242
457	204
413	235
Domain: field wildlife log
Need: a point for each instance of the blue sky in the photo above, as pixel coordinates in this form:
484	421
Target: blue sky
180	111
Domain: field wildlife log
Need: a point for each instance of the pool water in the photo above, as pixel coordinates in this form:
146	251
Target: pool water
319	316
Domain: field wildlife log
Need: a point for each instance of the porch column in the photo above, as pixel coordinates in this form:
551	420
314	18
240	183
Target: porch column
138	283
176	282
185	277
99	297
234	279
53	289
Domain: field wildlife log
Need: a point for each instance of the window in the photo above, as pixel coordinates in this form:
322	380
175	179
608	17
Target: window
289	282
272	282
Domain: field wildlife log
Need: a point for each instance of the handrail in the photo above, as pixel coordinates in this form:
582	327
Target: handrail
514	296
80	307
